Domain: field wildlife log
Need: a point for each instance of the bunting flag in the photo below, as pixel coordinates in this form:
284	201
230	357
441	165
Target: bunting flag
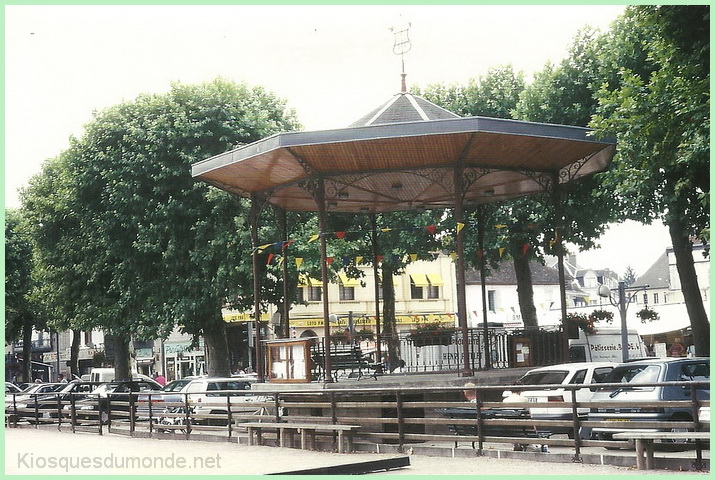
340	235
413	257
270	258
314	238
286	243
281	259
500	226
358	260
386	229
453	256
501	251
298	262
460	226
329	260
524	248
431	229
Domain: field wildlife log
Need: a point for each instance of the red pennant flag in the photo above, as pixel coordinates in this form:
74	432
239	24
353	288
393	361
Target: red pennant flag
525	248
339	235
431	229
329	260
270	258
286	243
379	258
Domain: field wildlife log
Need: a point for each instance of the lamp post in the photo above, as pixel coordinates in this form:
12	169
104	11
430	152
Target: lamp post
622	305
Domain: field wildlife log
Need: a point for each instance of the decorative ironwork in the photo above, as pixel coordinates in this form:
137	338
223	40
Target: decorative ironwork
570	171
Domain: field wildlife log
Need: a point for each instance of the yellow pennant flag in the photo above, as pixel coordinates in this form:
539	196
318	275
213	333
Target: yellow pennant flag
501	225
386	229
358	260
263	247
453	255
460	226
314	238
298	262
413	257
501	251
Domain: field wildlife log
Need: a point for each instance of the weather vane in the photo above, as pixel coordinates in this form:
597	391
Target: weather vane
401	46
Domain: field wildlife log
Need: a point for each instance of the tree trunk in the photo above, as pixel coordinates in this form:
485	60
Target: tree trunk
74	354
682	248
217	350
525	289
26	371
122	357
389	321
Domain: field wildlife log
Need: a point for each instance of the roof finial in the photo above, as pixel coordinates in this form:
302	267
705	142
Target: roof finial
402	45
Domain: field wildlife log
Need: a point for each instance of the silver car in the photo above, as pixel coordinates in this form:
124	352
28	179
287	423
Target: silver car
633	379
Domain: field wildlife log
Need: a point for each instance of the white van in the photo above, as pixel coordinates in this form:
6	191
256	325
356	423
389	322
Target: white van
605	346
103	375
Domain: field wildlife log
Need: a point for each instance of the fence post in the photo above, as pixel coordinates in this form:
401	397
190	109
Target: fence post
37	412
132	413
229	416
277	403
480	426
400	421
59	412
695	406
576	427
73	412
151	417
187	415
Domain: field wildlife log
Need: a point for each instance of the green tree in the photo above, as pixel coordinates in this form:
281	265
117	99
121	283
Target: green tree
157	248
655	97
21	315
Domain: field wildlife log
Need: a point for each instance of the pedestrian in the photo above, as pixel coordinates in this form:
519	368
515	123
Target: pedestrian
160	379
676	349
470	392
61	378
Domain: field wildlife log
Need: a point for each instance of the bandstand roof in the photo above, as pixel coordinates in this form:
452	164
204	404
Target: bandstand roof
404	155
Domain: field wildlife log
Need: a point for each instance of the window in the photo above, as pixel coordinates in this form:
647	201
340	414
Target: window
347	293
655	298
578	377
435	281
433	291
416	292
491	301
315	294
600	373
301	295
645	299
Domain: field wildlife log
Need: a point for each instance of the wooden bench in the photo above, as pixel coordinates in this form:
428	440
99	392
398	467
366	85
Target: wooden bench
645	440
307	433
343	358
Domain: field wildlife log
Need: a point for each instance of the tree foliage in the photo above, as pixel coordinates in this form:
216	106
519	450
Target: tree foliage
152	247
656	98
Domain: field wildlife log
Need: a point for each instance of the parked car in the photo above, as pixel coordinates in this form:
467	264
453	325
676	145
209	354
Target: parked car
45	405
11	388
206	398
541	387
630	379
111	397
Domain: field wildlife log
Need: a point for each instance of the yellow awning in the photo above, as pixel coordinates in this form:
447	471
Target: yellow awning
348	282
419	279
435	279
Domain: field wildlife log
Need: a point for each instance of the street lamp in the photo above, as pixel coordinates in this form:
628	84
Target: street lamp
622	305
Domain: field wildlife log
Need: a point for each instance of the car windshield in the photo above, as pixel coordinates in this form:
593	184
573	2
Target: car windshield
633	374
548	377
176	385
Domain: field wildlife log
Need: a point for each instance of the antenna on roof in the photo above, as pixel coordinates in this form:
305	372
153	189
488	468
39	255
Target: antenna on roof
402	45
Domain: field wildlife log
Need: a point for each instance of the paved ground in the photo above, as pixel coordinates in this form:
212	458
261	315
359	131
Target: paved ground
46	452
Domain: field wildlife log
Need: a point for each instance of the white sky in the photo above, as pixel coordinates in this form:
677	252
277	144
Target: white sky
332	64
